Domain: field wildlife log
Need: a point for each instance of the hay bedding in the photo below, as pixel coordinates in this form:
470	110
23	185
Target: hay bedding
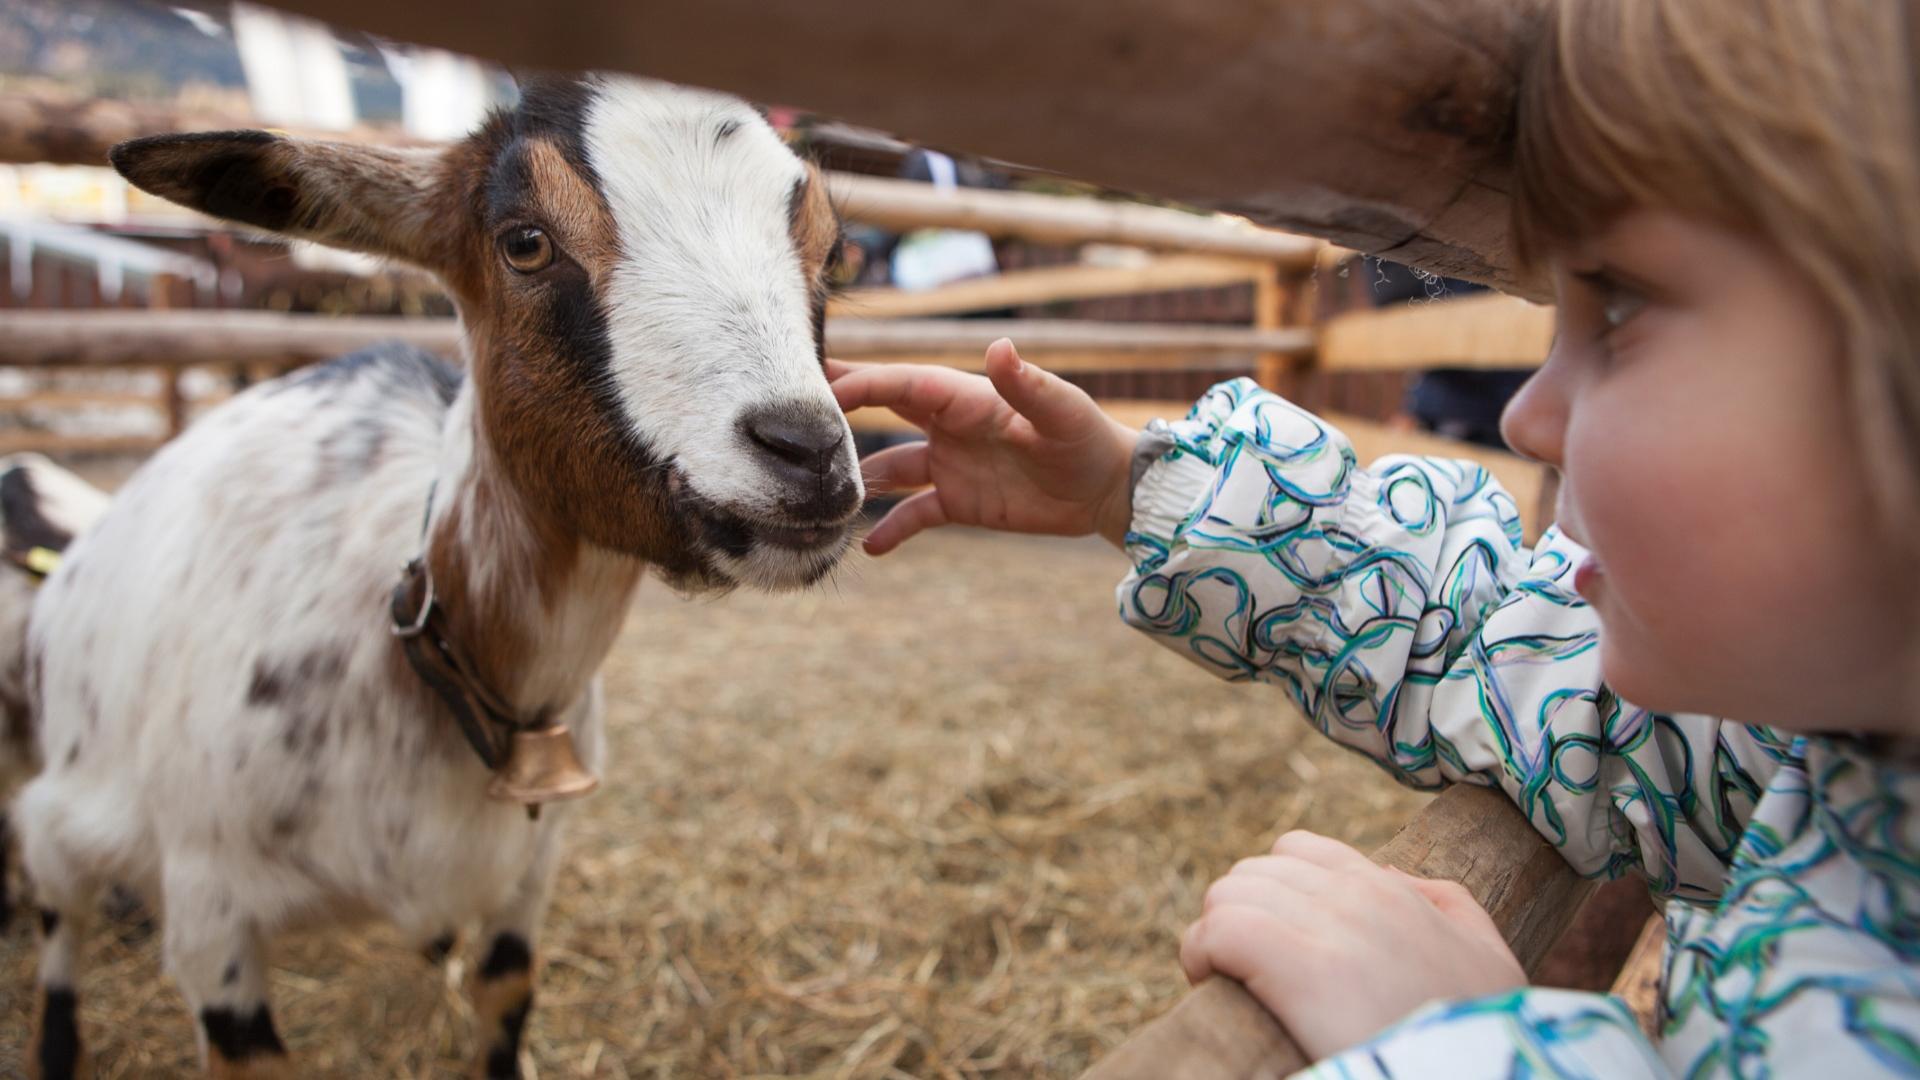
945	818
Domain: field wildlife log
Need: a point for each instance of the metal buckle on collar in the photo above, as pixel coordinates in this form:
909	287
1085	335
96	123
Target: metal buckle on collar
415	567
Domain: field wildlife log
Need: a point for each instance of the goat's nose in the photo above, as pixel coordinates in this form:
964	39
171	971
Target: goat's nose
796	440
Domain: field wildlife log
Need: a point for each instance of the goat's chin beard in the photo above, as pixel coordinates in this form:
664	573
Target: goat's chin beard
766	568
729	548
770	568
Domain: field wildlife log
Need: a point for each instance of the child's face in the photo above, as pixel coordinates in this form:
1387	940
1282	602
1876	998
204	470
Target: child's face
1694	403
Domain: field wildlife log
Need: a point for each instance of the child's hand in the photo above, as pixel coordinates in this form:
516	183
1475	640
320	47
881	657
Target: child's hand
1339	948
1020	450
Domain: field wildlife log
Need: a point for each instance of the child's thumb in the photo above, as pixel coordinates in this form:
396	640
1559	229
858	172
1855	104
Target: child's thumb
1052	405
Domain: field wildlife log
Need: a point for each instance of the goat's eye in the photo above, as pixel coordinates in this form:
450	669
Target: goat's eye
526	249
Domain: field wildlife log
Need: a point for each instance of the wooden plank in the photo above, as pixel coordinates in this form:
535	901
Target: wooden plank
1048	285
1382	125
113	338
78	398
1478	331
901	205
52	442
1639	981
1269	313
176	338
1468	834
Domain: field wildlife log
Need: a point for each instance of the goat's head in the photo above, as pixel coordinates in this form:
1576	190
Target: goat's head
640	269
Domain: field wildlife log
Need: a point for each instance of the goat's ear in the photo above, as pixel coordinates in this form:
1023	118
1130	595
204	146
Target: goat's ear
372	199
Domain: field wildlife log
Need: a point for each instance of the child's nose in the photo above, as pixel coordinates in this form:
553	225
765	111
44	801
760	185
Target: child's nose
1535	421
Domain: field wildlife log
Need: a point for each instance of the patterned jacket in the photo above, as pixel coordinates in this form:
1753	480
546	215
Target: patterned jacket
1399	609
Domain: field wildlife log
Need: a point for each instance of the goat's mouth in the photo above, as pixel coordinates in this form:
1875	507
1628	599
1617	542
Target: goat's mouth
754	550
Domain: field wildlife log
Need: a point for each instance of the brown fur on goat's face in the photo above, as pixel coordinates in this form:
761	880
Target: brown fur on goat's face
540	338
619	380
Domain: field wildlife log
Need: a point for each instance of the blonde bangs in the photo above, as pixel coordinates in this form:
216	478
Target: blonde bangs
1610	118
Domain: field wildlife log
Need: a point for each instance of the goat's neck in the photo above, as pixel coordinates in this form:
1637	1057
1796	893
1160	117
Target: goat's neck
534	605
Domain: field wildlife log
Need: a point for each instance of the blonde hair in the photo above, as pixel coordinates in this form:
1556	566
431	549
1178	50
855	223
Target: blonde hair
1793	119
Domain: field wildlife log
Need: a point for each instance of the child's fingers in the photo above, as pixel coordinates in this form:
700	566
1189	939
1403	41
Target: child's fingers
1295	872
837	369
898	468
1321	850
1271	894
912	390
913	514
1056	408
1230	939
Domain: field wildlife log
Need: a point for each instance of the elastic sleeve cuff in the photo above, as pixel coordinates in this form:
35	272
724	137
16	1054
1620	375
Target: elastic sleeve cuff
1168	482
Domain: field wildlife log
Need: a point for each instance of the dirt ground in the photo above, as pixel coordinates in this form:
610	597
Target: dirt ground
944	817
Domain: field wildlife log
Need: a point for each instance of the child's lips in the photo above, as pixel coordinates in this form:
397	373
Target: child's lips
1588	574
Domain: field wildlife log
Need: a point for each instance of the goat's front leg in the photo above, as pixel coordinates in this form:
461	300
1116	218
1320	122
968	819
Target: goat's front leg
501	987
216	953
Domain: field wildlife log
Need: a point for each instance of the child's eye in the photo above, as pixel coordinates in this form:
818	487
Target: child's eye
1619	306
1616	303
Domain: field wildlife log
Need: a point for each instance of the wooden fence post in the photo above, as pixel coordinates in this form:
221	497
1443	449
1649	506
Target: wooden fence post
173	401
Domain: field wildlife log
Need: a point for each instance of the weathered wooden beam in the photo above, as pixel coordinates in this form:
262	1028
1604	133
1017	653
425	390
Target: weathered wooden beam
1468	834
172	339
1050	284
1484	331
1059	219
1638	983
1379	124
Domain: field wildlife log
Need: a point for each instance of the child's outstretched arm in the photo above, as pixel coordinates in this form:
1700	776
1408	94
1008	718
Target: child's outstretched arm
1396	604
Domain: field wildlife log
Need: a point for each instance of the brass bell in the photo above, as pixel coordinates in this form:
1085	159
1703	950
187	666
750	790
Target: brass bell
541	768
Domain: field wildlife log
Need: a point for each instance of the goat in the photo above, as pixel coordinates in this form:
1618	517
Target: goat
42	508
228	722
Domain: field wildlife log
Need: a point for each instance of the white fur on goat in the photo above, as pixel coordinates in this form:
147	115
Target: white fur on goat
228	726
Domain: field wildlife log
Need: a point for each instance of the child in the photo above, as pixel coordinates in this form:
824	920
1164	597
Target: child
1727	196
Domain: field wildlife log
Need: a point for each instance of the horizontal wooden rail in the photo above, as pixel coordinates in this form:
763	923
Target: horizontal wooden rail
131	338
184	338
1479	331
61	442
1468	834
903	204
1050	284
